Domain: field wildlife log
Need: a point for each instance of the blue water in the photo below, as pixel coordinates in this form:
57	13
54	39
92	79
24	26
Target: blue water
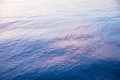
59	40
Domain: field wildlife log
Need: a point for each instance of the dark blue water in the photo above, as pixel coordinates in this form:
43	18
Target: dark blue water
59	40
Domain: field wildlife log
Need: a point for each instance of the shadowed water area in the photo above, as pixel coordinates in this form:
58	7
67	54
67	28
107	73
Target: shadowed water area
59	40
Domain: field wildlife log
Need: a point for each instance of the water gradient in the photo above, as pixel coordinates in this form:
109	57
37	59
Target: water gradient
59	40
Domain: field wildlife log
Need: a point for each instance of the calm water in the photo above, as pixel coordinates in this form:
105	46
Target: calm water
59	40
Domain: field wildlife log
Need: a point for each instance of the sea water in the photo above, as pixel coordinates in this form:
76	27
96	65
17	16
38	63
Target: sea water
59	40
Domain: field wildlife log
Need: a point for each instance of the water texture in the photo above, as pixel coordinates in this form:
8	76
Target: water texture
59	40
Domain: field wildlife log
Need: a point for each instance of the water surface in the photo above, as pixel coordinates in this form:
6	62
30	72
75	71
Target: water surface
59	40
